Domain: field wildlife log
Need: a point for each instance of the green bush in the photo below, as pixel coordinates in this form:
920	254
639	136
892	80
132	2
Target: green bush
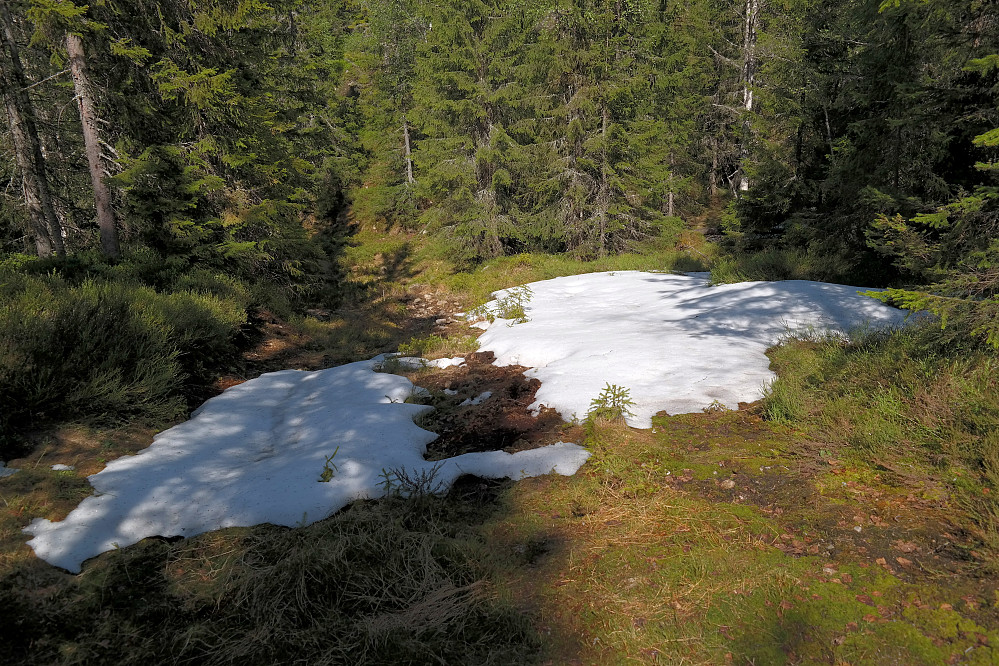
105	351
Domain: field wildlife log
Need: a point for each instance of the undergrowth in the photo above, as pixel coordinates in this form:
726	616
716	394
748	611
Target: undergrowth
899	398
105	351
391	581
439	346
773	264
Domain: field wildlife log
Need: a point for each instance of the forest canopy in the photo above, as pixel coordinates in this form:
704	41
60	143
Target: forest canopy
245	137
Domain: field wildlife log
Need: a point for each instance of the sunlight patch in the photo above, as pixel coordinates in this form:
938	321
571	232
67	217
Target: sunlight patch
259	453
676	343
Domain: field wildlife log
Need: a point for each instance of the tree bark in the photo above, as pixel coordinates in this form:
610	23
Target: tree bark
410	180
603	199
748	82
713	172
43	222
91	139
670	207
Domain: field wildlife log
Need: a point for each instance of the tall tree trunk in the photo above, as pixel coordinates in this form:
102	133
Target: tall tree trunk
748	81
713	172
410	180
44	223
91	139
670	207
603	198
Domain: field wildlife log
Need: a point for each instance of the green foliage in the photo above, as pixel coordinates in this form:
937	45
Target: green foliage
611	405
955	249
329	467
434	345
420	346
107	351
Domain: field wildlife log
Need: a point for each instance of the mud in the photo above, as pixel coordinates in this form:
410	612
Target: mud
500	422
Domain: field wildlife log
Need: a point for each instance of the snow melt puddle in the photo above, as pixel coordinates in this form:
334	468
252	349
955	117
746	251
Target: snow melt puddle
255	455
675	342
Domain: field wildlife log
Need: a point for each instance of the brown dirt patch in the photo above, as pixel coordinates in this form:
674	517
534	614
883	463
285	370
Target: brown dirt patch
500	422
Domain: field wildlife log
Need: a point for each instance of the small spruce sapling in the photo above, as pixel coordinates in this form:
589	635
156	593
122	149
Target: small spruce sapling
512	306
612	404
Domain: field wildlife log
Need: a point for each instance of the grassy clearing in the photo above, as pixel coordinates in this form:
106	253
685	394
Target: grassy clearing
899	401
651	557
399	260
853	524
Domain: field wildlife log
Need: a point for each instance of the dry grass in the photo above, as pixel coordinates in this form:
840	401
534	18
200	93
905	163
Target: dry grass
378	583
622	565
646	556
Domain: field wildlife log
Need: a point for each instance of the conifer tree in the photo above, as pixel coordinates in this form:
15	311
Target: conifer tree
44	225
461	112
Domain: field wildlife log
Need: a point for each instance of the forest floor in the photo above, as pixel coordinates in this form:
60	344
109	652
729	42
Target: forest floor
714	538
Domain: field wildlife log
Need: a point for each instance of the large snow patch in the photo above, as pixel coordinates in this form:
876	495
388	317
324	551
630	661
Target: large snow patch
255	455
677	343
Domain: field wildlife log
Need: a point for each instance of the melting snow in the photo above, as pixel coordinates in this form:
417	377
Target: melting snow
477	400
675	342
255	454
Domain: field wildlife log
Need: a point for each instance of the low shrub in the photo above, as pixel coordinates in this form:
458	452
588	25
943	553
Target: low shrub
105	350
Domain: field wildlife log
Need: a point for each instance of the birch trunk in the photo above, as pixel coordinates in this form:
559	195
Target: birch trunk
91	139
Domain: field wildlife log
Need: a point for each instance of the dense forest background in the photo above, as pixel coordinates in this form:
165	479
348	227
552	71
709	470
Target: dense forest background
197	157
237	133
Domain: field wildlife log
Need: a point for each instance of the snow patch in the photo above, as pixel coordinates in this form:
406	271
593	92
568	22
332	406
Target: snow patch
477	400
677	343
255	455
417	362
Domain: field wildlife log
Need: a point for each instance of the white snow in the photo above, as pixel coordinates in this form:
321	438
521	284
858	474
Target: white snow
477	400
417	363
63	468
255	455
7	471
675	342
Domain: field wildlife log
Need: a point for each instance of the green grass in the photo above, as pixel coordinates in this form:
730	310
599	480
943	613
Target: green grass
703	541
640	569
899	396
